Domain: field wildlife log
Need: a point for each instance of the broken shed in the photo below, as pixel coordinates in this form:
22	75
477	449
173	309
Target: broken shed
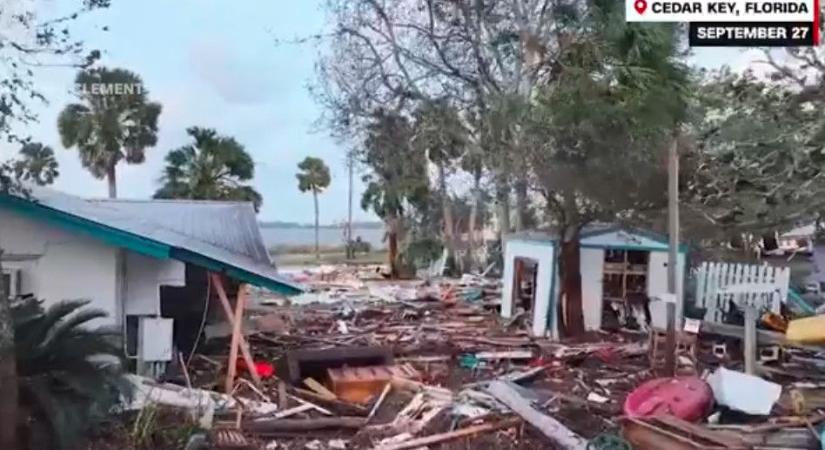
146	263
620	268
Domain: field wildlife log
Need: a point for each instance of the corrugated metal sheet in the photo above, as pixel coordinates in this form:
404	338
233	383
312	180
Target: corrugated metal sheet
225	232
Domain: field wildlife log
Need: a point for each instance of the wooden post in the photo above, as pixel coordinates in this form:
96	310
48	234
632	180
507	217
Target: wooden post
232	364
215	279
670	340
750	339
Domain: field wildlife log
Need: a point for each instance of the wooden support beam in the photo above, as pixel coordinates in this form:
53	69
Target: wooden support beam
217	283
264	426
232	364
562	436
452	435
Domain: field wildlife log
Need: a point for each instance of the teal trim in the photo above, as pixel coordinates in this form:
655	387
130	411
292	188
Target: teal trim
235	272
682	248
137	243
109	235
799	301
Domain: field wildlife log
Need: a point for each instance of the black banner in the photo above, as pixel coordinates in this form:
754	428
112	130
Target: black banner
751	34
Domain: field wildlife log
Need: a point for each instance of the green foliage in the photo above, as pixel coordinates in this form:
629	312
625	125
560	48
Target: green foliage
69	372
313	176
438	132
398	179
115	121
600	131
156	427
214	167
756	162
37	164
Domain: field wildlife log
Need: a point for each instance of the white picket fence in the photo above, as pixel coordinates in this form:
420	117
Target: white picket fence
717	284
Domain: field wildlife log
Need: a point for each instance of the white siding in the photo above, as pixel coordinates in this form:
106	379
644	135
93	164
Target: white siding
144	276
64	265
592	272
544	254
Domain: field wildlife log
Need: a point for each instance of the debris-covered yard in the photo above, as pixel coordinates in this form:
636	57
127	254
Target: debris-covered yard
360	364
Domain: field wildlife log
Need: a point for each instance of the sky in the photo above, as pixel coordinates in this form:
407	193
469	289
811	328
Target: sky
216	63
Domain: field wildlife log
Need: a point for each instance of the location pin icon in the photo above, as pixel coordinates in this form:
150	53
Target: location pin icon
640	5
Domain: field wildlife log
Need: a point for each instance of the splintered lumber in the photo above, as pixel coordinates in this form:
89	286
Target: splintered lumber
292	411
319	389
550	427
379	401
323	411
230	317
452	435
334	405
279	425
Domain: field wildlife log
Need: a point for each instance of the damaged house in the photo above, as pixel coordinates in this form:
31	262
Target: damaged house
145	263
620	269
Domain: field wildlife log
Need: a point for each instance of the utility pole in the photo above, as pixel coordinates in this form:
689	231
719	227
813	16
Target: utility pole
672	256
673	217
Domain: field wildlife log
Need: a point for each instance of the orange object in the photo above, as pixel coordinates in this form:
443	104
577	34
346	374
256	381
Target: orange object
360	384
775	322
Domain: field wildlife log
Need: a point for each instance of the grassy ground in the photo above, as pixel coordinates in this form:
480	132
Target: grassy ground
305	256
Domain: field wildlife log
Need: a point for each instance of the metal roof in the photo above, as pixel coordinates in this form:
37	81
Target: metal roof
219	236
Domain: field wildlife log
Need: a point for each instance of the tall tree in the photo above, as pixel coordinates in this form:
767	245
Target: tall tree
397	181
313	177
114	122
601	128
440	135
389	55
214	167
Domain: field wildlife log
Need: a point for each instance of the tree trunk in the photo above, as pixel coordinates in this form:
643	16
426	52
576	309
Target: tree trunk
571	279
447	211
317	248
111	179
503	201
471	227
522	205
392	243
8	372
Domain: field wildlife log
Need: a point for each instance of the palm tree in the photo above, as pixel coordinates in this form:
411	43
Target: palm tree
214	167
36	164
69	373
114	122
314	177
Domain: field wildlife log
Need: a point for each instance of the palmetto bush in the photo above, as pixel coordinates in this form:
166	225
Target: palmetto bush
70	373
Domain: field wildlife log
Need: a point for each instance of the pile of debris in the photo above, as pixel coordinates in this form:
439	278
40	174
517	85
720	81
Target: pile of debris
433	365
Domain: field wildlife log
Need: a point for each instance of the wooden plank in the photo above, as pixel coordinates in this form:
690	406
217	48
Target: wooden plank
319	423
291	411
750	339
319	389
235	343
217	283
550	427
452	435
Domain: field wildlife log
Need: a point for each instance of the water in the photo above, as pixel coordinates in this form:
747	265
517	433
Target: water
327	236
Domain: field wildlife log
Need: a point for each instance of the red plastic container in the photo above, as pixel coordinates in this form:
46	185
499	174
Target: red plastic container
688	398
